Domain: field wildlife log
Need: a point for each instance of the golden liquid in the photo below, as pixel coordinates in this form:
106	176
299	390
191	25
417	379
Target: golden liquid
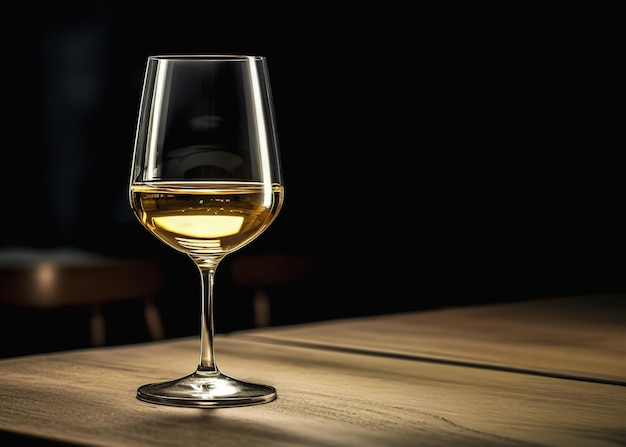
210	218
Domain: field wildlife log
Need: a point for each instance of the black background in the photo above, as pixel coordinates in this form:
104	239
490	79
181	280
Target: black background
431	157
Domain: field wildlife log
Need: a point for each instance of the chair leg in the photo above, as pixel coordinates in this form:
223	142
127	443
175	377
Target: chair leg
261	308
97	326
153	319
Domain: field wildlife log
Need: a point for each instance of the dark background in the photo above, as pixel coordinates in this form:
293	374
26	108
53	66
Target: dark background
431	158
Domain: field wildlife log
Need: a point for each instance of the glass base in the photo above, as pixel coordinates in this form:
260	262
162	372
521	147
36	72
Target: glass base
206	390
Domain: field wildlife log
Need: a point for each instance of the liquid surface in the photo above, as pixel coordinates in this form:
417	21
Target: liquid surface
206	218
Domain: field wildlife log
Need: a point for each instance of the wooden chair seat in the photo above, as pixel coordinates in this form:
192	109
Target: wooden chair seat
51	279
262	271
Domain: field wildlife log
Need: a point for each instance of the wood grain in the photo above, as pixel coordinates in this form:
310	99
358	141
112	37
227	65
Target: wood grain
578	337
325	398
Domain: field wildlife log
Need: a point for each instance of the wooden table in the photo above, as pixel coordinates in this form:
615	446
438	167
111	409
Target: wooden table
535	373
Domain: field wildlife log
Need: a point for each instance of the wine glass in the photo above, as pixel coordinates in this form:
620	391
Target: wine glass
206	180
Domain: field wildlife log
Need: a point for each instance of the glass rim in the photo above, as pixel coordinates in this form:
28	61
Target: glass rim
206	57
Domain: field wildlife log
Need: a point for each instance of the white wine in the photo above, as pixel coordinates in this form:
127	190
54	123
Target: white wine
206	218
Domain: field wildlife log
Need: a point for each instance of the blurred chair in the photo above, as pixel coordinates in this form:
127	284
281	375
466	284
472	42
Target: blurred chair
65	277
263	271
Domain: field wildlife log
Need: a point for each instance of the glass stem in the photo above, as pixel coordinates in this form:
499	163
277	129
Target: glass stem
207	331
